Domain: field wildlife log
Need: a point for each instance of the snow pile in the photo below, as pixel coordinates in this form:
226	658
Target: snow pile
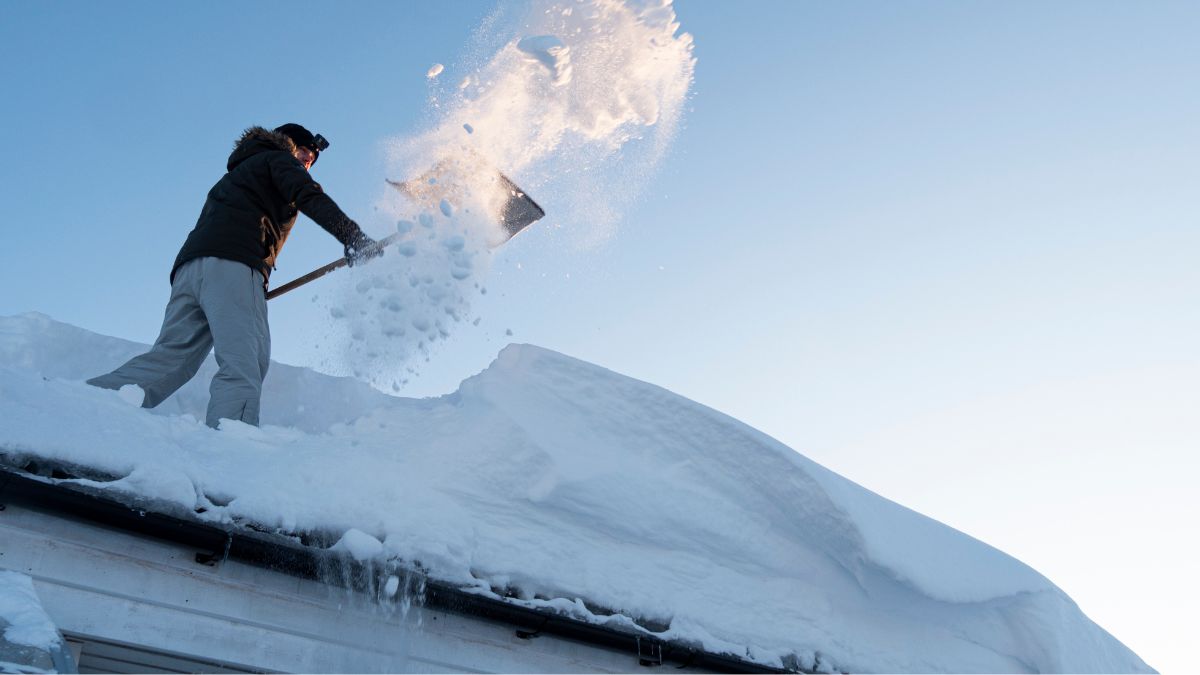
27	635
590	493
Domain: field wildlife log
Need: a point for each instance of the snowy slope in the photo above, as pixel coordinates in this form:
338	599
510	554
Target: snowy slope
564	481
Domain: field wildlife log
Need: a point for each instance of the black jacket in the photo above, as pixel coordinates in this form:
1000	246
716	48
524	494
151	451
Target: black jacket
251	210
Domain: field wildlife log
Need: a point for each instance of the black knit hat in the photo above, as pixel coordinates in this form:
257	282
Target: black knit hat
303	138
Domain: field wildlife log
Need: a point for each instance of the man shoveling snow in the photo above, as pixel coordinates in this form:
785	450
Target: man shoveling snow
219	279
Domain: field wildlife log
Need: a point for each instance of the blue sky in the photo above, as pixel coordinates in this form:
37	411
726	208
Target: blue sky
946	249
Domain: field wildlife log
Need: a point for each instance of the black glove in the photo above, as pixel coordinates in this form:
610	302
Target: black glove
363	248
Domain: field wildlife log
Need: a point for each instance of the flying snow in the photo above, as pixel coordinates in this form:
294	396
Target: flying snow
579	103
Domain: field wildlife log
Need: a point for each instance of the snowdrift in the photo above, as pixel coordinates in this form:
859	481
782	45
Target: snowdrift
563	485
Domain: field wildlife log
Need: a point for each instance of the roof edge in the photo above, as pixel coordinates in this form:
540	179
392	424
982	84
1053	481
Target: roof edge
46	492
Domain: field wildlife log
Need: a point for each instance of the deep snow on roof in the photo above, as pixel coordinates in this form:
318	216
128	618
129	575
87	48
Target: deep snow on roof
565	481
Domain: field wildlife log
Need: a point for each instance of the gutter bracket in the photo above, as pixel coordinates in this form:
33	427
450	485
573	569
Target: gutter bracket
649	652
530	634
211	559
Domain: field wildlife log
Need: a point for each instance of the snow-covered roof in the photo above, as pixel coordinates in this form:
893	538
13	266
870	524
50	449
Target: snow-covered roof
570	488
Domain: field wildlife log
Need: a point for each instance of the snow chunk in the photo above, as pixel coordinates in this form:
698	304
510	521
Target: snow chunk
21	614
392	585
360	545
435	70
132	394
550	52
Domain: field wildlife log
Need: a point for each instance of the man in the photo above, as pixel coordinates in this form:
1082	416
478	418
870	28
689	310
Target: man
219	280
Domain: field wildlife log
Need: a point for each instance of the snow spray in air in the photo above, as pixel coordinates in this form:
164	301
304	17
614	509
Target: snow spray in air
576	101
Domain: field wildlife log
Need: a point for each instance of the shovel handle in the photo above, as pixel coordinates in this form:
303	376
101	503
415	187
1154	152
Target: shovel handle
323	270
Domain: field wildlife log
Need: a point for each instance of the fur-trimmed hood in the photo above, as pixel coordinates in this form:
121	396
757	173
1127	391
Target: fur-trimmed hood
255	140
250	210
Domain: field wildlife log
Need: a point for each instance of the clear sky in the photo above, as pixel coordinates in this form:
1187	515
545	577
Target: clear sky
947	249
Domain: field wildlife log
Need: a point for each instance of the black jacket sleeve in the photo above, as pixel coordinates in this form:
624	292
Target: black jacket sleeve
298	187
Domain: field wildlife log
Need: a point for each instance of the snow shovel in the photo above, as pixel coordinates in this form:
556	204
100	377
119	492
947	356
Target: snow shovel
518	212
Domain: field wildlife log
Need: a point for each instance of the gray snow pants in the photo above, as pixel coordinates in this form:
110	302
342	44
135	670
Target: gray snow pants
214	303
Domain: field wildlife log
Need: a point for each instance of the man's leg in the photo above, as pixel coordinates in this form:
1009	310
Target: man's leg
178	352
235	303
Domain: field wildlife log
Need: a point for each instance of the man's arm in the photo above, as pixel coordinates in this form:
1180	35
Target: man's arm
296	185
